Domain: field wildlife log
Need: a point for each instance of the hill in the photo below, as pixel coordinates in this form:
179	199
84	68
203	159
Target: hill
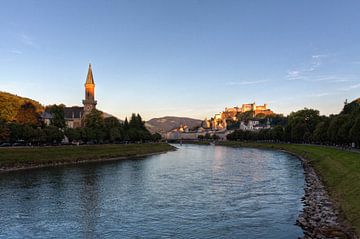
168	123
10	105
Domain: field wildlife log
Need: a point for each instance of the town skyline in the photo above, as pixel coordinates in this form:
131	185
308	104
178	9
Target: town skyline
188	59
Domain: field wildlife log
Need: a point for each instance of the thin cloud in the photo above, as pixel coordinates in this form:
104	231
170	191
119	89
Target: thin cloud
322	78
319	94
27	40
16	52
246	82
351	87
304	72
320	56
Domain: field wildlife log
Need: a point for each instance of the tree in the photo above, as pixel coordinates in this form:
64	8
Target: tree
73	134
126	124
215	137
277	133
94	126
113	129
335	124
39	136
135	130
320	133
156	137
16	132
27	114
302	124
114	134
57	112
53	134
112	122
10	105
4	131
355	131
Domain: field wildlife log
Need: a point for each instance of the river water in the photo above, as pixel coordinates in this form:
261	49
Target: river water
194	192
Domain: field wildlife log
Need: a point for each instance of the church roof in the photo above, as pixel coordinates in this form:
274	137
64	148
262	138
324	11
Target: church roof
90	78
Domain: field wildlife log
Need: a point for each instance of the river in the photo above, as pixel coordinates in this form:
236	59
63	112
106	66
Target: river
194	192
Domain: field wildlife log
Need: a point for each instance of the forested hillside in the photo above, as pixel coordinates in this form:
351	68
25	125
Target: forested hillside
11	104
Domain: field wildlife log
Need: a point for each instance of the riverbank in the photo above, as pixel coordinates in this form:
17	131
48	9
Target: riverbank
191	142
12	159
328	211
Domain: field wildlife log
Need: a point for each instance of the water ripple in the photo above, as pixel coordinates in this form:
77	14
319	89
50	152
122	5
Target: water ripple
195	192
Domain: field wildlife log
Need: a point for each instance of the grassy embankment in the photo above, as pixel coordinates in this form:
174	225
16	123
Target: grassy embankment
13	158
338	169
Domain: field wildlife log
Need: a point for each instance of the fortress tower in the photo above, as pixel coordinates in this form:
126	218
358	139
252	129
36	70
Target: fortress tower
89	102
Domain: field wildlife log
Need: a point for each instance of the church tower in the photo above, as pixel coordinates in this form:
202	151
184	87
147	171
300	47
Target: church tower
89	102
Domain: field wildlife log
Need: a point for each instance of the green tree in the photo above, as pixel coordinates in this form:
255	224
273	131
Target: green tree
94	126
277	133
112	122
4	131
355	132
136	130
16	132
53	134
113	129
320	133
57	112
302	124
335	124
156	137
126	124
73	134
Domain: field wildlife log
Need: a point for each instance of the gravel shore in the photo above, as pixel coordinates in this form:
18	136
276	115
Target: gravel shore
321	218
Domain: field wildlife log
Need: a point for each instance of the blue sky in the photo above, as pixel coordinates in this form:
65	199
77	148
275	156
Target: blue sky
183	58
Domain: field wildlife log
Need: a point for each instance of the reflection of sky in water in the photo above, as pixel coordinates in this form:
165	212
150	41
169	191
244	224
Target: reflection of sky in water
195	192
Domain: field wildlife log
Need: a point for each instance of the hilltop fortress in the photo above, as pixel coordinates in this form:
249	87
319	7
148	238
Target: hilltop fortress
219	121
247	117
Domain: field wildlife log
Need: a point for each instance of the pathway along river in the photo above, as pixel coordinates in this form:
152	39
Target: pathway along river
194	192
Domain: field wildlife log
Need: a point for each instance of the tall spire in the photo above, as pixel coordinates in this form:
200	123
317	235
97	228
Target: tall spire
90	78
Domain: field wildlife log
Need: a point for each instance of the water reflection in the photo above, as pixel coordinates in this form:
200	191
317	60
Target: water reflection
89	201
195	192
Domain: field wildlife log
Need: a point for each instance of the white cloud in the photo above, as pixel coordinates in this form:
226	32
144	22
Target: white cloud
16	52
26	39
320	56
319	94
254	82
304	72
351	87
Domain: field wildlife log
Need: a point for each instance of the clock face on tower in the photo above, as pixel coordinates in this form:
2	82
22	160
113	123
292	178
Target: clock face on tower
88	108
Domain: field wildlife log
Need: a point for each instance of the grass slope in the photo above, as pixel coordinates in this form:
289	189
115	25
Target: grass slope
339	170
25	157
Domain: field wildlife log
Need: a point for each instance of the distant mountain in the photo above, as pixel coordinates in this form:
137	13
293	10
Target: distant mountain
10	105
168	123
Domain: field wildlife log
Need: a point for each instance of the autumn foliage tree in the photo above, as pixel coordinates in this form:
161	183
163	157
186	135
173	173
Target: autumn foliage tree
28	115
